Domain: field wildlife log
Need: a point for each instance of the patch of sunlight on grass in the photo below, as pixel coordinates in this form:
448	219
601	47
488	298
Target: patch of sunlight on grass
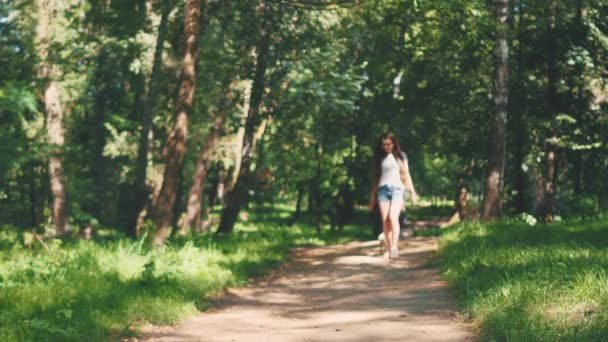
530	283
102	290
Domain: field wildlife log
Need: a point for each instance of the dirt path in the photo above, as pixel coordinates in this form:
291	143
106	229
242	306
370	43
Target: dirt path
335	293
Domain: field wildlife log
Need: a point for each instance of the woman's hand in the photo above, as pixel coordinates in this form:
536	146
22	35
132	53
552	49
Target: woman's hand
372	198
415	197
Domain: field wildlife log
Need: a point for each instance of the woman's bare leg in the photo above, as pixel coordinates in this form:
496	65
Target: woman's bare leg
386	223
394	211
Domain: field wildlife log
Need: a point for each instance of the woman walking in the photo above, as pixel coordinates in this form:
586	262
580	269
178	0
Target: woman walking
391	177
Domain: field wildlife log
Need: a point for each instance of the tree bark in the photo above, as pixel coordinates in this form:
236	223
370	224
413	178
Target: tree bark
549	183
579	173
54	115
54	127
520	183
220	191
193	211
149	104
97	130
193	208
238	194
539	191
552	80
316	190
311	198
582	105
492	204
176	141
299	200
177	205
240	135
33	201
462	191
518	123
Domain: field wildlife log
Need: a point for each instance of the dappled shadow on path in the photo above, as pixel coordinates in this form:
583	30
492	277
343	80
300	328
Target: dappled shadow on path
336	293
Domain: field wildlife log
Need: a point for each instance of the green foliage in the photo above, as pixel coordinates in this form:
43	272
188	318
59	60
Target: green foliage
20	122
101	290
22	146
336	80
531	283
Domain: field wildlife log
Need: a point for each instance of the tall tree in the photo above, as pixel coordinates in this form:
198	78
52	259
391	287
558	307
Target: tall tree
492	203
175	147
516	107
193	210
240	135
551	108
239	192
47	10
149	103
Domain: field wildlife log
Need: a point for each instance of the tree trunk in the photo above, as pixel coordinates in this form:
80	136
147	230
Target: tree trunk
240	135
579	173
177	205
238	194
36	194
220	191
97	131
582	105
300	198
318	200
462	191
193	211
520	177
54	115
552	81
492	204
549	183
518	124
176	141
311	198
539	191
193	208
149	104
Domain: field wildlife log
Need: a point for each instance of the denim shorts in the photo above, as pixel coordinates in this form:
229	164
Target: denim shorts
390	192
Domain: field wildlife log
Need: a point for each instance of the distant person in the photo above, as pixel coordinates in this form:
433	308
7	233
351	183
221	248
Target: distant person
391	177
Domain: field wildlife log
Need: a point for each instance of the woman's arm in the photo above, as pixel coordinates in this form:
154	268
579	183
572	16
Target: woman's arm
406	178
372	198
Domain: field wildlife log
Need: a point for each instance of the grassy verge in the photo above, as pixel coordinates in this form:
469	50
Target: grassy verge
531	283
103	290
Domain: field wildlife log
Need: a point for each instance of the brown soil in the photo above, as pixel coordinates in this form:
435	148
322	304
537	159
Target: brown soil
337	293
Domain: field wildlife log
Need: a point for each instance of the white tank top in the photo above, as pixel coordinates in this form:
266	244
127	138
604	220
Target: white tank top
390	173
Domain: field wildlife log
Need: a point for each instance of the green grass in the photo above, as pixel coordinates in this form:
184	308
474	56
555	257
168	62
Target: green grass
104	290
531	283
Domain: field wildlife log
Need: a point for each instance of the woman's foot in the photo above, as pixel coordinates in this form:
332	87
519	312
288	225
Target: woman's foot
394	254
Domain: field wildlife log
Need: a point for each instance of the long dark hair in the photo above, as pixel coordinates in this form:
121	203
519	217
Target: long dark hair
379	154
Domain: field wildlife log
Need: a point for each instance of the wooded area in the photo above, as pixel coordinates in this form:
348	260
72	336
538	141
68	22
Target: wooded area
156	120
118	113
